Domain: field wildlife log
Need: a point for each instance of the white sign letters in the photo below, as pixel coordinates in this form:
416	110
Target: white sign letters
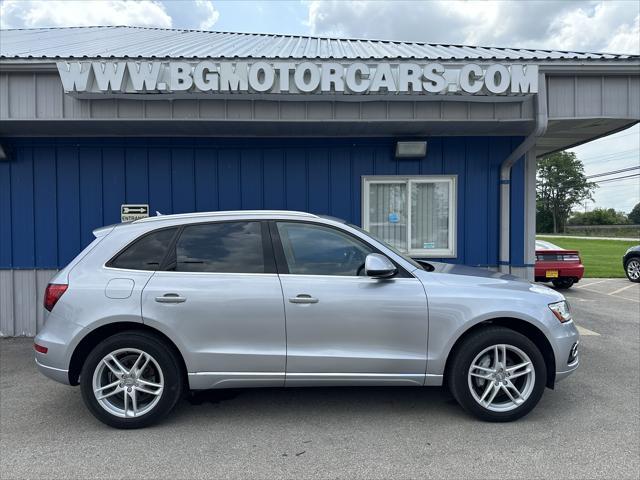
209	76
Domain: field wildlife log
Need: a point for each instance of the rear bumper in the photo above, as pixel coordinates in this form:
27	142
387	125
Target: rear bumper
57	374
564	271
59	336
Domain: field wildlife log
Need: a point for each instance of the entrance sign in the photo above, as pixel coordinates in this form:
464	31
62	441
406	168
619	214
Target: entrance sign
383	78
129	213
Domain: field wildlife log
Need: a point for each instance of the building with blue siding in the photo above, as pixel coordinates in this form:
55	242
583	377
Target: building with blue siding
430	147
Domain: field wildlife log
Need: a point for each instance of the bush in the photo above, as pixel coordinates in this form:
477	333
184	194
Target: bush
599	216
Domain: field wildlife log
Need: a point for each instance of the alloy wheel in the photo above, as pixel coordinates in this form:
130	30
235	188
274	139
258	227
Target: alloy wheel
633	269
128	383
501	378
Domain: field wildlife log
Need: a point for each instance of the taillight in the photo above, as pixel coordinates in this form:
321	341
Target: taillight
40	348
52	294
572	257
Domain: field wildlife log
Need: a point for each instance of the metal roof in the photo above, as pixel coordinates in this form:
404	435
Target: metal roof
142	42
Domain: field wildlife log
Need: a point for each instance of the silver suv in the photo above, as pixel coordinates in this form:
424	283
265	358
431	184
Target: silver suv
272	299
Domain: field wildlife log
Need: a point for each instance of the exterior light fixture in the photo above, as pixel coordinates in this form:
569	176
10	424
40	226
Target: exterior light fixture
411	149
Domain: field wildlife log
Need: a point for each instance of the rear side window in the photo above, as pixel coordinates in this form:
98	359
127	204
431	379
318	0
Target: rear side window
147	252
226	247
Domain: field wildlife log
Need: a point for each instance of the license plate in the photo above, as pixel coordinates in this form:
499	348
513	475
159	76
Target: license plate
552	273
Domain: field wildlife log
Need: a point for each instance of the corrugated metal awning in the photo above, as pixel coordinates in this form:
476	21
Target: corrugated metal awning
141	42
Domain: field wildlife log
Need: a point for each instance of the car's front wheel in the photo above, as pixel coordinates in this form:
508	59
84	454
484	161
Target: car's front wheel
632	269
497	374
131	380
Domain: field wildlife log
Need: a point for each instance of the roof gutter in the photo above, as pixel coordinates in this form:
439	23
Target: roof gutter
527	144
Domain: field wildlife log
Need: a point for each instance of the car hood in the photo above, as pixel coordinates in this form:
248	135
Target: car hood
454	269
470	277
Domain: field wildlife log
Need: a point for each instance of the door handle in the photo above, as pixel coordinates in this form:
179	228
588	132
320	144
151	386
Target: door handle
171	298
303	298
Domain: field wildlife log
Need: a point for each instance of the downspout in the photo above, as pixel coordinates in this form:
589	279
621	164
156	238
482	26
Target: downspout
540	104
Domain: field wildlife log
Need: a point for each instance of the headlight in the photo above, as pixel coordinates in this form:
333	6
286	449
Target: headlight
561	310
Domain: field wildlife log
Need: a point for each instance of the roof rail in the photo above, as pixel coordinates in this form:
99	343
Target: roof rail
226	214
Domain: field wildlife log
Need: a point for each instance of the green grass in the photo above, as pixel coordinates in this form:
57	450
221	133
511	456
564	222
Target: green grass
601	258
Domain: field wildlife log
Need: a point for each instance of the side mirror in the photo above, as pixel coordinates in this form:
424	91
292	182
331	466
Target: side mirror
379	266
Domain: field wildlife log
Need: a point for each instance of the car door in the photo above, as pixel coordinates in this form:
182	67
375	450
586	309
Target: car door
342	326
219	299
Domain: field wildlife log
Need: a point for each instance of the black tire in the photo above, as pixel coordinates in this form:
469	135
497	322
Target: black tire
473	345
627	268
563	283
161	353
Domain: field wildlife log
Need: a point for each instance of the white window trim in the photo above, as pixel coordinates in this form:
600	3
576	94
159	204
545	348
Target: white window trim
409	180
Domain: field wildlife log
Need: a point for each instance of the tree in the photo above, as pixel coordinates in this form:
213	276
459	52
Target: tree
634	215
561	185
598	216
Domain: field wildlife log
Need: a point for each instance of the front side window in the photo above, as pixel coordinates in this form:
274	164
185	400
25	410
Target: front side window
146	253
416	215
225	247
317	250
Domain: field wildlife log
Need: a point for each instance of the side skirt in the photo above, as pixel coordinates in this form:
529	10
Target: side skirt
210	380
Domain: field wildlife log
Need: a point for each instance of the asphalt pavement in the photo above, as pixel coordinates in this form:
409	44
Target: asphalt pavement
588	427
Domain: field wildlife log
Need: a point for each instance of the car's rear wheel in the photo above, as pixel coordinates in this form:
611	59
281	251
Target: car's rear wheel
563	283
131	380
632	269
497	374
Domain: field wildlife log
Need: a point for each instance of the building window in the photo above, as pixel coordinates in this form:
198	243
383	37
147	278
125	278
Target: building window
414	214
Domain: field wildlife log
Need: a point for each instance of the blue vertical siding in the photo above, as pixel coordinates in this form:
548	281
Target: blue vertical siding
45	214
6	231
53	193
68	205
90	164
113	188
22	218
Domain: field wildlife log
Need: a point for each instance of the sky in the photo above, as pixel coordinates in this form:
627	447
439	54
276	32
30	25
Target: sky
582	25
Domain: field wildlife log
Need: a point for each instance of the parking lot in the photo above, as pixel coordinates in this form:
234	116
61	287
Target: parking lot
587	428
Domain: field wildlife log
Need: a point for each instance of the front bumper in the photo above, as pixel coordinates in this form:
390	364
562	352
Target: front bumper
572	365
567	350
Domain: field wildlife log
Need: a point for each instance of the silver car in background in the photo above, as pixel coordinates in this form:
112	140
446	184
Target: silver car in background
288	299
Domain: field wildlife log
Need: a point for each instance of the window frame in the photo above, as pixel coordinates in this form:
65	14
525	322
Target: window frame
281	259
409	181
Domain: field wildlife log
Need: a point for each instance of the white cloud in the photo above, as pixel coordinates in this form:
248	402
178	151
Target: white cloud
555	24
210	13
609	26
54	13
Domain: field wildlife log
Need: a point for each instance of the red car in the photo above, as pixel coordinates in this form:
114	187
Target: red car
561	267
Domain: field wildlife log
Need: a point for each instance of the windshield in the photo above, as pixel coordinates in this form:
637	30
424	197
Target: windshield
393	249
542	245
